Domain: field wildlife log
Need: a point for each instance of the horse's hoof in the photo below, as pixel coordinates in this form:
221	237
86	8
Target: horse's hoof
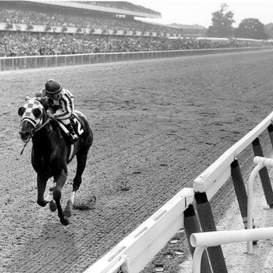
64	221
52	206
92	202
93	199
42	203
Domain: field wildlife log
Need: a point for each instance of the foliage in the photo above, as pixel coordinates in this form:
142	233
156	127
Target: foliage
222	21
251	28
269	30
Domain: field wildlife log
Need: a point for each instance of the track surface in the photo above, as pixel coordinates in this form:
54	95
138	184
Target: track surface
157	125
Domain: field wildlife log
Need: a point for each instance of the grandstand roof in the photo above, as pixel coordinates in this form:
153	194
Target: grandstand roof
124	5
117	7
174	25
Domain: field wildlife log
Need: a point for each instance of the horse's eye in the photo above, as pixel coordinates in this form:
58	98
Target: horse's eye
21	111
36	112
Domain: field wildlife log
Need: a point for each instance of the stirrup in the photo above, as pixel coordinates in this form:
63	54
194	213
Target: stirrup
73	138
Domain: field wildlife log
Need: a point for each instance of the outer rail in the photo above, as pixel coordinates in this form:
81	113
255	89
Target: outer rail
27	62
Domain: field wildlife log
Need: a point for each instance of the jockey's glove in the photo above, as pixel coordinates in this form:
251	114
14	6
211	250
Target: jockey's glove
50	114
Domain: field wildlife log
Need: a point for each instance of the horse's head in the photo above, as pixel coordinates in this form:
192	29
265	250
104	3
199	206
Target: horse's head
32	117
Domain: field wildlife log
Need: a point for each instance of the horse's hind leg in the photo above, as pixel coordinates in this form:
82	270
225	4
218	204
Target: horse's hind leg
81	163
57	194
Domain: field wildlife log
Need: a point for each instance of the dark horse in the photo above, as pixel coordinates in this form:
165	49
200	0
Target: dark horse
52	151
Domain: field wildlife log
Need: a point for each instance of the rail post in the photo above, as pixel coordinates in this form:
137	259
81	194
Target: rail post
260	162
191	225
250	219
240	189
270	132
206	220
267	188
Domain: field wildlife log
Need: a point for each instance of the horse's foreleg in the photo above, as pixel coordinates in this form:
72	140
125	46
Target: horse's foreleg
41	186
57	194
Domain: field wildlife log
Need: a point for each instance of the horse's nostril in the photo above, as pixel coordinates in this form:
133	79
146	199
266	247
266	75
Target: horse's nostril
23	135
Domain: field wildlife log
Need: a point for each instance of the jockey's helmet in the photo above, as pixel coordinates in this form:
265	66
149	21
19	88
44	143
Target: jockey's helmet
52	87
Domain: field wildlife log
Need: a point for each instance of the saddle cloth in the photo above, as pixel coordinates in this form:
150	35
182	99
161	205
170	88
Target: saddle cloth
75	122
78	128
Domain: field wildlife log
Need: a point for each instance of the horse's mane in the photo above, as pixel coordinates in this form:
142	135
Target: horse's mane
44	102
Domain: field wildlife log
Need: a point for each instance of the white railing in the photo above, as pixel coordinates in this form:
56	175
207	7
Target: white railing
203	240
134	252
25	62
260	162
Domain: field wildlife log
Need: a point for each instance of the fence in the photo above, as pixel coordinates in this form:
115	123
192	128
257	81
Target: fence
137	249
26	62
204	240
190	209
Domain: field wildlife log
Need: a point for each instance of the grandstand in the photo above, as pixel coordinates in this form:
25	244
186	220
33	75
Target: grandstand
50	16
48	28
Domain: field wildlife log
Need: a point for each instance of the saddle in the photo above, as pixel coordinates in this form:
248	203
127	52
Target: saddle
77	125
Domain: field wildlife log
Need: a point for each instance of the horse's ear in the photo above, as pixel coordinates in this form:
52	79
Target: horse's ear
21	111
37	112
44	102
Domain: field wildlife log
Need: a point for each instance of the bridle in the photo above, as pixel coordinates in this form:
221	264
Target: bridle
38	128
34	131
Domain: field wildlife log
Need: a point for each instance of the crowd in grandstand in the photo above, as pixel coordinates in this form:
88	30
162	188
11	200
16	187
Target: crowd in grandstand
17	44
26	44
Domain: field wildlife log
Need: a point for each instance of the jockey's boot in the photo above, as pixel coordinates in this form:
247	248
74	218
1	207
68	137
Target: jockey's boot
73	134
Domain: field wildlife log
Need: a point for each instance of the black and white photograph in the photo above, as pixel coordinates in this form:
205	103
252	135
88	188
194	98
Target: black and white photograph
136	136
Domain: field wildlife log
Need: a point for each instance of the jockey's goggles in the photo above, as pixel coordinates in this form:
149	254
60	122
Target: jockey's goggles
56	96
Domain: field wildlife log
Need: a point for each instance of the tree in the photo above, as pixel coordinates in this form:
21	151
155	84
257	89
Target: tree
222	21
251	28
269	30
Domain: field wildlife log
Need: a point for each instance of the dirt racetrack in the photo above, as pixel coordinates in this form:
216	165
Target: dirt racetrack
157	125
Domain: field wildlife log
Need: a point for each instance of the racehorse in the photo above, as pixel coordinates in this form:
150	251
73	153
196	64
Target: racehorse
52	151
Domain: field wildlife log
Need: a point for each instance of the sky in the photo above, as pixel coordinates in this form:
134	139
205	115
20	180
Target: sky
199	12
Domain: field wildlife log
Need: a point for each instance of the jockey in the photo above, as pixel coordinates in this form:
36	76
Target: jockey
61	105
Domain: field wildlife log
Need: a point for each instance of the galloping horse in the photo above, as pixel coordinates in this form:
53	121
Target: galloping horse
52	151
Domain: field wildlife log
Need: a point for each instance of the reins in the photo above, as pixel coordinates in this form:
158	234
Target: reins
33	131
25	146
